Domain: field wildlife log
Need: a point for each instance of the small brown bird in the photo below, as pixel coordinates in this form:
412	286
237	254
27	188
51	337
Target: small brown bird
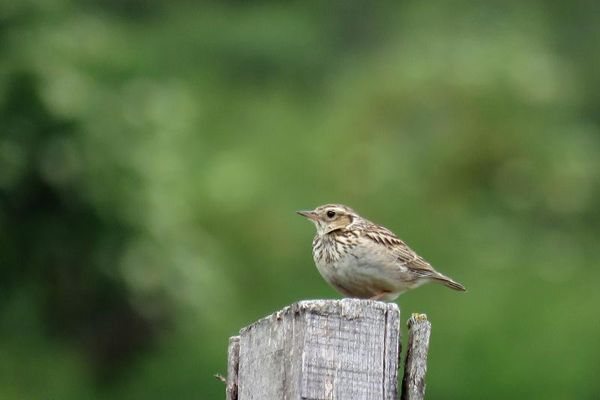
365	260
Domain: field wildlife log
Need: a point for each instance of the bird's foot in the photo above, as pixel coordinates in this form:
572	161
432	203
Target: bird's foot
378	296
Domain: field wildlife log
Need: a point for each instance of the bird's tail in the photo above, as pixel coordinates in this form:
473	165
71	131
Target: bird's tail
443	279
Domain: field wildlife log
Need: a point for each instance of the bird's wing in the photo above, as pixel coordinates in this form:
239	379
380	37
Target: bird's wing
404	254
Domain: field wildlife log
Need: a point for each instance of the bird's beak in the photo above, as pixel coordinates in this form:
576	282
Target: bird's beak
308	214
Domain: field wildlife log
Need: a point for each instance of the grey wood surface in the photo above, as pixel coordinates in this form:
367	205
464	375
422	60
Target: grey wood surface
322	349
233	358
415	369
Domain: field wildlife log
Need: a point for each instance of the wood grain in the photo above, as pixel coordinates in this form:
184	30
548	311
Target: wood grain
233	358
415	369
322	349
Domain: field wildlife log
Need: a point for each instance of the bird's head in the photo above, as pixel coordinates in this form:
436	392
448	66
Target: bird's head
330	217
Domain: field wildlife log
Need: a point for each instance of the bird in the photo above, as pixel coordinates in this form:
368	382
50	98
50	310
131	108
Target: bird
361	259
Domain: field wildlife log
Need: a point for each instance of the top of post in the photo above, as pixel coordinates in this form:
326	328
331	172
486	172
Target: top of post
347	308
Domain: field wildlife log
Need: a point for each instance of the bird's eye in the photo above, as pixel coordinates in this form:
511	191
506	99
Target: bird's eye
330	214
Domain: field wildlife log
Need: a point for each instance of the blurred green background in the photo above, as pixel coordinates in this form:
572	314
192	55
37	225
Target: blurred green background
152	155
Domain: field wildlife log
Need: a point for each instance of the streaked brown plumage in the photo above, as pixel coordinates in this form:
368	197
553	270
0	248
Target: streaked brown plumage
365	260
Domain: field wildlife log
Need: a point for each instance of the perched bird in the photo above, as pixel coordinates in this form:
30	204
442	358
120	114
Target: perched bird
365	260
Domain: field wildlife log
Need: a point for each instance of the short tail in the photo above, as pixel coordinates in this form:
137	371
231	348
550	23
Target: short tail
450	283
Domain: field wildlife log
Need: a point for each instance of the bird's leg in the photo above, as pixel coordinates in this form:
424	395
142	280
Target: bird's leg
378	296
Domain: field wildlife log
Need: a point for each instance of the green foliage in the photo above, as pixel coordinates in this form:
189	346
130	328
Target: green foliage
152	155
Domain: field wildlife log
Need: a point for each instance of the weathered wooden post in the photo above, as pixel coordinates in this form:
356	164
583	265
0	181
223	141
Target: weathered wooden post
415	368
233	362
321	349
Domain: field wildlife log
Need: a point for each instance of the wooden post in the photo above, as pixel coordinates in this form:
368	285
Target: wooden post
413	384
320	349
233	361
